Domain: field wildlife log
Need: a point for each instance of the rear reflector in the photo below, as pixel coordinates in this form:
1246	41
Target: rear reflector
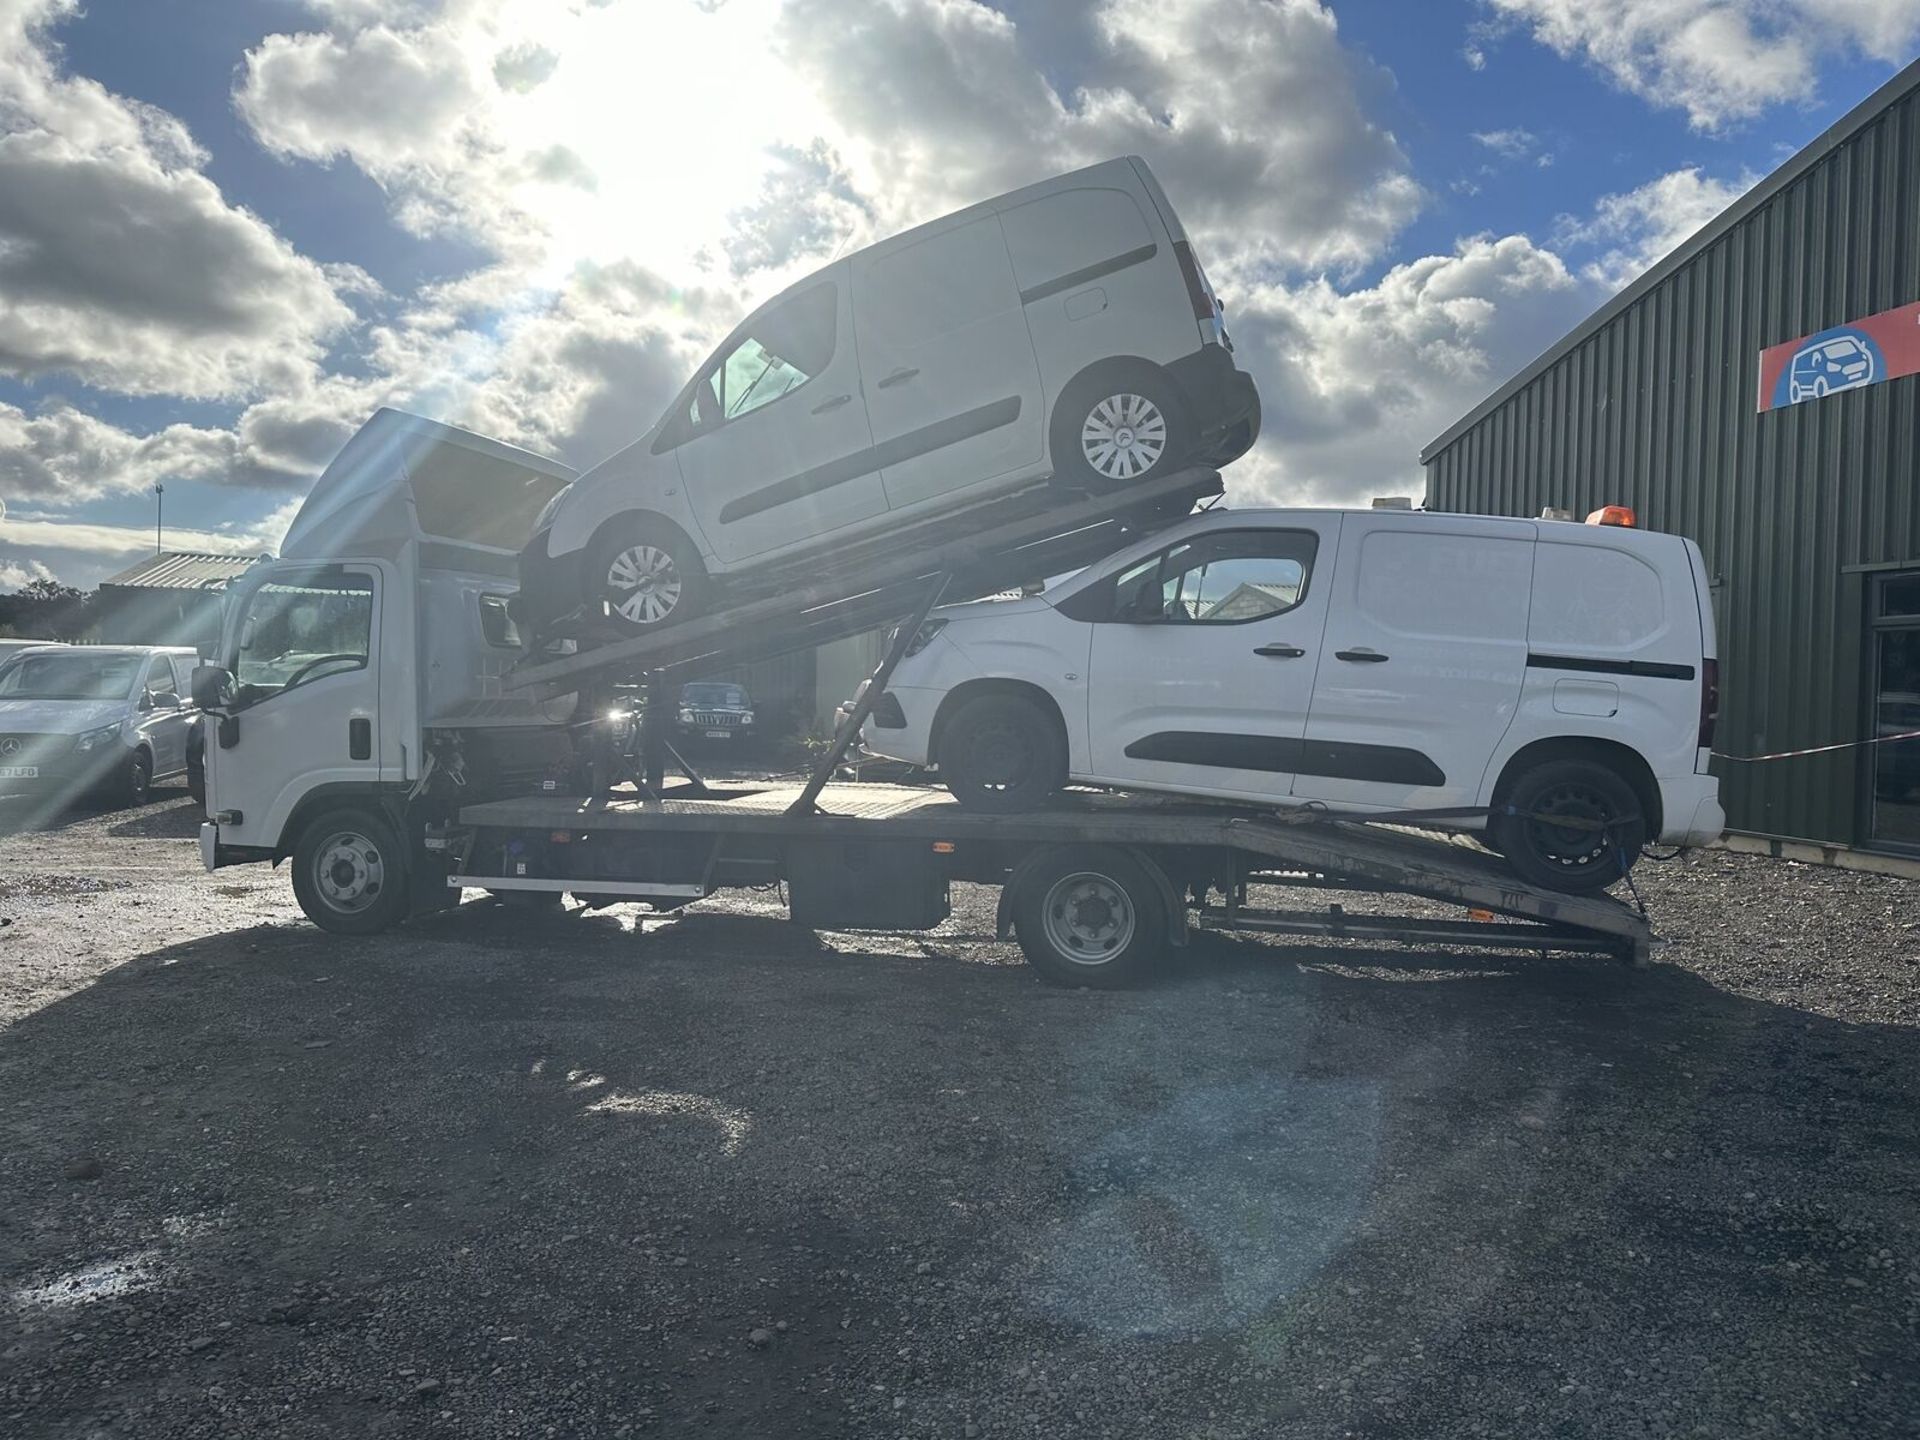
1196	287
1613	515
1709	701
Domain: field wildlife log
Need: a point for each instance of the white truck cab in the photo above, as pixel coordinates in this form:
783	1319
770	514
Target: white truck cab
1553	684
327	703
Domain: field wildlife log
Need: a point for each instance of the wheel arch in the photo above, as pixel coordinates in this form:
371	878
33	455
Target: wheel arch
968	690
1623	759
371	795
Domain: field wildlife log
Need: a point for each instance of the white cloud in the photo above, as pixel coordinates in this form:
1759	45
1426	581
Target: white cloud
16	574
1513	144
1722	61
122	264
1640	227
1354	383
62	456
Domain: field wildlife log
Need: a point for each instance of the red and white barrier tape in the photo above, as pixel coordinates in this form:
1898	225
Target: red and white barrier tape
1816	749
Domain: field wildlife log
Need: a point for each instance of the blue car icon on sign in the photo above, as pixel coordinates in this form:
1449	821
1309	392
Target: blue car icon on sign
1837	360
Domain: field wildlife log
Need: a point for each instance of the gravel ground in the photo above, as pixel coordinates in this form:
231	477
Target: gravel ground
505	1175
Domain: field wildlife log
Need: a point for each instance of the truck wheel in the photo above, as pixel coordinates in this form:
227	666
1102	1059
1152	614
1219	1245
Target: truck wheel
1124	428
649	574
1089	915
1002	754
1573	825
350	872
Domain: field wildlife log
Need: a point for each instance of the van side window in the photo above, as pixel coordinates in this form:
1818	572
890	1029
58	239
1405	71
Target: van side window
1059	236
1227	578
160	677
782	350
938	285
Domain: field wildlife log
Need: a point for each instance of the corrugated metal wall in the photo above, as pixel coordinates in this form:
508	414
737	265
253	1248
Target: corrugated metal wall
1656	410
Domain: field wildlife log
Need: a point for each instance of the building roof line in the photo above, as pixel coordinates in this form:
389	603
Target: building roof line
1837	134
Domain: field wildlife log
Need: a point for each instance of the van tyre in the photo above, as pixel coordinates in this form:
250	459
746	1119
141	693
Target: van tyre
1119	429
134	785
649	575
1575	826
350	872
1002	754
1090	915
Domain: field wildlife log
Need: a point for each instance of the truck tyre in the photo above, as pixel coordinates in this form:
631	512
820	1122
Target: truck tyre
1123	427
350	872
1570	825
649	575
1090	915
1002	754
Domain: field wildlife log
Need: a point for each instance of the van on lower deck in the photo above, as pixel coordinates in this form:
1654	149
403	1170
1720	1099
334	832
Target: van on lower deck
1062	330
1558	678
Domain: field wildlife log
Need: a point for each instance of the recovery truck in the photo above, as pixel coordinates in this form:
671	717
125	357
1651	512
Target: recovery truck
376	720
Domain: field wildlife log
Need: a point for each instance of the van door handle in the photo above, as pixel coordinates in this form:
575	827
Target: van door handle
1280	652
1362	656
834	404
898	377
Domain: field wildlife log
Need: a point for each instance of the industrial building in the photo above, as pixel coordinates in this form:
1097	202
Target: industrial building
1756	391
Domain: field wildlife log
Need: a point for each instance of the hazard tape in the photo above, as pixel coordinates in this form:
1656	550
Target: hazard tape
1816	749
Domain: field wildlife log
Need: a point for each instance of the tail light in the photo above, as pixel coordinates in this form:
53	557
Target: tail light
1203	303
1709	701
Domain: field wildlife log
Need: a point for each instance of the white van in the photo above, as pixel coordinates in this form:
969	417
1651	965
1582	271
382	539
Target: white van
1560	676
1065	329
78	721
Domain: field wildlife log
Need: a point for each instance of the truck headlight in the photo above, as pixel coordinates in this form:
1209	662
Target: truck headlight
94	739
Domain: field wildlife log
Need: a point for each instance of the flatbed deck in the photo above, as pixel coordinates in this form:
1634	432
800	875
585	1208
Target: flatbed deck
1303	849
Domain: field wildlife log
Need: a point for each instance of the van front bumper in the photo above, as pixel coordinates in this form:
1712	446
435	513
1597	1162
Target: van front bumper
1221	400
549	584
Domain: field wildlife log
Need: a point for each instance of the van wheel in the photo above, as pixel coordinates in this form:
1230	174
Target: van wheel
649	575
1002	754
1090	915
350	873
1122	429
134	786
1573	825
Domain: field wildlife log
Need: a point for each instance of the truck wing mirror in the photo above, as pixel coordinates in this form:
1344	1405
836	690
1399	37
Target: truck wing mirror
211	686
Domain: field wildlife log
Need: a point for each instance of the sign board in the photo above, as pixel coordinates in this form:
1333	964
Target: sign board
1862	352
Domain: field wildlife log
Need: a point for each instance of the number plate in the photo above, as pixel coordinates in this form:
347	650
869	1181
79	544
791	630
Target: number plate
19	772
718	734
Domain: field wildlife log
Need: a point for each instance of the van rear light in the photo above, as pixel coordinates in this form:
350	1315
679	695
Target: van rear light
1709	701
1614	515
1204	309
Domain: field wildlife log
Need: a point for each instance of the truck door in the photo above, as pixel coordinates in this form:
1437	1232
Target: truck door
1424	657
306	706
1201	673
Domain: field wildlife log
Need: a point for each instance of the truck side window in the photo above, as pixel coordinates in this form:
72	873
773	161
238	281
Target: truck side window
782	350
319	623
497	624
1226	578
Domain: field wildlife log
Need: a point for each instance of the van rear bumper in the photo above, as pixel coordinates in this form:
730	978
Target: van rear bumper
1221	400
1691	804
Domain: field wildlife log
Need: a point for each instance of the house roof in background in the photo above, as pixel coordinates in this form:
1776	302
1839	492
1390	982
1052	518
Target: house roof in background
183	570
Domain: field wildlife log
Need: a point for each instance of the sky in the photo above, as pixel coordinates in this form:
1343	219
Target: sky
232	229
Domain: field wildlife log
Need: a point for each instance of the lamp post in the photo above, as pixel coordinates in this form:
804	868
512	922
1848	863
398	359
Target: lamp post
159	515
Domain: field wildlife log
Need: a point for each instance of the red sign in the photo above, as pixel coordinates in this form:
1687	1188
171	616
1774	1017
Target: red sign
1865	352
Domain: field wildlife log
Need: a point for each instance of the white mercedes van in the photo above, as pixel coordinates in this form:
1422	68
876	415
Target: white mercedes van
1063	330
1560	679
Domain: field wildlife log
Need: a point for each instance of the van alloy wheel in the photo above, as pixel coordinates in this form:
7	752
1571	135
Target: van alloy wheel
1123	436
643	584
349	871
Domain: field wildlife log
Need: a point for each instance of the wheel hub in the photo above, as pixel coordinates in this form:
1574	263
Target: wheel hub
1124	437
1088	918
349	871
643	584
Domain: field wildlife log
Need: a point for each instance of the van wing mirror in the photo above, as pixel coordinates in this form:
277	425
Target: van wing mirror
211	686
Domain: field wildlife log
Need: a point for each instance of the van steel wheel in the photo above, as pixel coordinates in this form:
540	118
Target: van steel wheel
1577	826
350	872
1001	753
1118	432
1090	915
649	577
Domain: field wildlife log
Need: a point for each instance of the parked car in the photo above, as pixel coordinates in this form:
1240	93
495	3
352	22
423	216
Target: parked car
94	719
1837	364
1066	329
714	711
1359	661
